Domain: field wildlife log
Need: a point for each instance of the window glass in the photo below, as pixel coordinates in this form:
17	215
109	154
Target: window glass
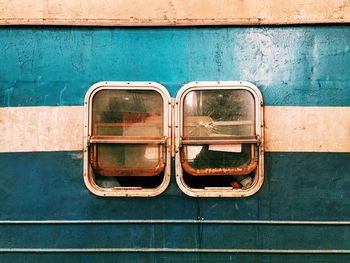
221	113
127	159
127	113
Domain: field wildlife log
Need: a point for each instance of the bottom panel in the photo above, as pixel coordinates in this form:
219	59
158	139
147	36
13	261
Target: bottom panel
297	186
173	236
169	257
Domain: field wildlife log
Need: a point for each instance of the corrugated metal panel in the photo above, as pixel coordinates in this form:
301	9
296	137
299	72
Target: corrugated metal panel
173	12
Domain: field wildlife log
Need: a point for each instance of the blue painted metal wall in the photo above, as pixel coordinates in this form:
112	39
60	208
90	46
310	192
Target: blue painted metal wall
299	66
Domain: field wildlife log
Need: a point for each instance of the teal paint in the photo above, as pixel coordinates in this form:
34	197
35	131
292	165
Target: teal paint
33	184
312	190
176	236
299	65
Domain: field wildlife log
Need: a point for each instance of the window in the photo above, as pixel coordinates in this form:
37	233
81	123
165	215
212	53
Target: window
216	136
126	139
219	139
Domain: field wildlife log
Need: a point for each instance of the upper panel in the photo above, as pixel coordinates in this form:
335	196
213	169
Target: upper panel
172	13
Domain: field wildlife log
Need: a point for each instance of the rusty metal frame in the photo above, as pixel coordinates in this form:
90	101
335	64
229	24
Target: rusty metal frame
127	171
219	140
247	169
258	140
164	162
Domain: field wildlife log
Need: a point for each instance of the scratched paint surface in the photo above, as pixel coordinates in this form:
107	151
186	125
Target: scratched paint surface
300	65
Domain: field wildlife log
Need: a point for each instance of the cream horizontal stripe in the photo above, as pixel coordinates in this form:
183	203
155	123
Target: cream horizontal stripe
172	12
34	129
287	129
307	129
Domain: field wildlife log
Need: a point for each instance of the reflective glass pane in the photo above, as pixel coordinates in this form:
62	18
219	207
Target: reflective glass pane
219	113
127	113
127	159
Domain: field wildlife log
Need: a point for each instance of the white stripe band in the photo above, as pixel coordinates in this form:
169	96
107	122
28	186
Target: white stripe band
307	129
35	129
287	129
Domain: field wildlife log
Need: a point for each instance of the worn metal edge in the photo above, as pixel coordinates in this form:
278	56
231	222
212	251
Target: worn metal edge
165	23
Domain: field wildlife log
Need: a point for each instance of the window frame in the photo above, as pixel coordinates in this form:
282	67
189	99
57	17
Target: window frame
259	140
167	134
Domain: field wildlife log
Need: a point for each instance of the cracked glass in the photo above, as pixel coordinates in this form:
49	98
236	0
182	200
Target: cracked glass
219	113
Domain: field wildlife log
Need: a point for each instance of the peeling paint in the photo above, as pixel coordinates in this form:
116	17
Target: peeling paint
26	129
313	129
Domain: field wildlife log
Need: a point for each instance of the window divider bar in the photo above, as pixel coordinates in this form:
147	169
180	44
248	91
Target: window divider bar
219	141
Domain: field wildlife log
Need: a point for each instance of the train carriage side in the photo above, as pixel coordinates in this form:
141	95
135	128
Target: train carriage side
299	63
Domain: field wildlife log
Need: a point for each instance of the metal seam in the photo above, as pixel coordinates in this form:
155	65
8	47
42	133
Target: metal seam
172	250
261	222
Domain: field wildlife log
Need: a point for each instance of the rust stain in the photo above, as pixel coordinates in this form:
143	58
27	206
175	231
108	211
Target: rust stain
103	171
218	171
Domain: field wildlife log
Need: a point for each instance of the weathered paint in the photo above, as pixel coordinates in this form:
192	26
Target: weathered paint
307	129
306	66
287	193
49	179
298	66
173	12
35	129
60	128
